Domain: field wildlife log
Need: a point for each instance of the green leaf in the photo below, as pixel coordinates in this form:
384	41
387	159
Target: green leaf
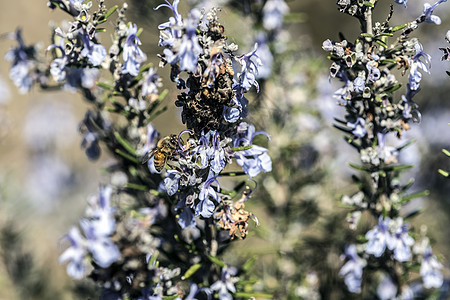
105	86
191	271
295	18
399	27
358	167
153	258
369	35
126	156
394	88
216	261
368	4
253	295
232	174
398	168
249	263
170	297
408	198
443	173
155	114
135	186
381	43
243	148
125	144
110	11
100	29
446	152
158	101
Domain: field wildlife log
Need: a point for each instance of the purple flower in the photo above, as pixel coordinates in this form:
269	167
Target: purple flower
186	218
206	207
273	13
352	270
211	155
378	237
171	182
357	127
96	53
255	159
102	248
428	13
90	138
401	2
171	30
190	48
386	290
409	107
75	254
420	60
225	284
101	212
374	72
265	55
239	110
151	83
21	59
358	85
132	54
401	242
250	63
429	270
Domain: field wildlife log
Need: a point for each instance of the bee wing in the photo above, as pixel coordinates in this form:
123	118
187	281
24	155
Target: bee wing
148	155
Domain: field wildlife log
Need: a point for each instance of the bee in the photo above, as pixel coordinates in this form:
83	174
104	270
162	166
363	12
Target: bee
164	151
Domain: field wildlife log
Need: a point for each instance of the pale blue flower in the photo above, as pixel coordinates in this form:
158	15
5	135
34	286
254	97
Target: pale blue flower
352	270
21	59
253	160
132	54
90	140
186	218
401	2
225	285
250	63
171	182
101	212
401	242
190	49
420	60
273	13
357	127
206	207
374	72
358	85
265	56
96	53
151	83
386	290
429	270
378	237
102	248
238	110
171	30
428	13
75	254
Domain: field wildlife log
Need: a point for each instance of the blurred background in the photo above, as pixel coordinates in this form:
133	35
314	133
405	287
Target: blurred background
45	177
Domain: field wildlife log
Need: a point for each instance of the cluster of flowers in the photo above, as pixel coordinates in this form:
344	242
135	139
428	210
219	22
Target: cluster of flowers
164	237
372	114
213	108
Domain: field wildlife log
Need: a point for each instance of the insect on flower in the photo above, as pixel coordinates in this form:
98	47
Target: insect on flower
164	150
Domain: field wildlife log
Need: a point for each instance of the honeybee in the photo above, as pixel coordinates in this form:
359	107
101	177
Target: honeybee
164	150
